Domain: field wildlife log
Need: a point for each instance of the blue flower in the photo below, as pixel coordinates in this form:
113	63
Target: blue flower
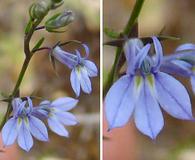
81	67
142	91
23	125
181	63
57	114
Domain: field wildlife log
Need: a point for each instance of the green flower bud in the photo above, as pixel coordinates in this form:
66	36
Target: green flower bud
40	9
58	21
57	1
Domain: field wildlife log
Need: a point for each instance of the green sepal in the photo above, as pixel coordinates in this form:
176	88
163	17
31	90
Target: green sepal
111	33
56	31
57	4
57	1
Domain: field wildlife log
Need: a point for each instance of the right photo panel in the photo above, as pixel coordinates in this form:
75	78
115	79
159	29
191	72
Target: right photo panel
148	80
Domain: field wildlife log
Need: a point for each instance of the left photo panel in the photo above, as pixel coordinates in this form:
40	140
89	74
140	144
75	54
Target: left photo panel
50	80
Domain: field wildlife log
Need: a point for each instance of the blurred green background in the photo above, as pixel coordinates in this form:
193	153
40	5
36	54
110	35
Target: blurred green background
177	140
41	80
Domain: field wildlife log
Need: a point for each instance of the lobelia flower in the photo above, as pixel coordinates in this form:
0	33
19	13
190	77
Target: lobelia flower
23	125
142	91
82	68
182	62
57	114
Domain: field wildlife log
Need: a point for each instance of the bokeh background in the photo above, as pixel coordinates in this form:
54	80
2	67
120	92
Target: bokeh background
177	140
41	80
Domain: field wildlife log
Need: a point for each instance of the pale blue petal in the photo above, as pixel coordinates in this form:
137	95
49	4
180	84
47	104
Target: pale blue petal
148	116
30	102
40	112
45	102
142	55
64	103
9	132
188	56
21	108
79	59
86	50
186	46
25	140
57	127
38	129
159	53
182	64
70	60
15	105
84	80
192	80
173	96
174	69
66	118
91	68
30	105
75	83
131	48
119	102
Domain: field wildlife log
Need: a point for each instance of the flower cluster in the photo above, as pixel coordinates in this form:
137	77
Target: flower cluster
27	121
24	120
148	85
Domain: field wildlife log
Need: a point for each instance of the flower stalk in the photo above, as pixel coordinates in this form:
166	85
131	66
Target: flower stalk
28	54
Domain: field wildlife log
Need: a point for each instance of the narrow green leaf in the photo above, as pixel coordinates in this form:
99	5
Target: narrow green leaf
28	26
39	43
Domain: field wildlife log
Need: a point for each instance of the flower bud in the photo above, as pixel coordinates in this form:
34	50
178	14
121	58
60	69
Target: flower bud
57	1
59	20
40	9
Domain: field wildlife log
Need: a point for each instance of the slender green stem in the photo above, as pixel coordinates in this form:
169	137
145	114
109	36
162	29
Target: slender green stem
28	57
15	90
134	16
127	31
21	76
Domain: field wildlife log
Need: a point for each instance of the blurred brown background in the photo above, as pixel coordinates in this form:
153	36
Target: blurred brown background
41	80
177	140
